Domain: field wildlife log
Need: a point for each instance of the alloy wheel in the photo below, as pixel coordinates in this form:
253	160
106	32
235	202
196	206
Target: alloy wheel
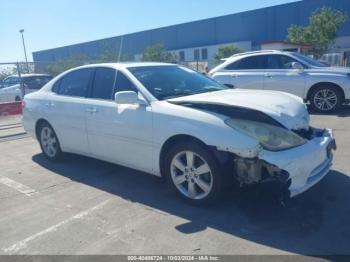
191	175
49	141
325	99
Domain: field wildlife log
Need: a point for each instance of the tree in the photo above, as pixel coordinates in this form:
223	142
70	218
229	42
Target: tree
321	30
9	70
227	51
157	53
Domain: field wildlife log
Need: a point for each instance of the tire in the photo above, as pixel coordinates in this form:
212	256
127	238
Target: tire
326	99
198	184
17	99
49	143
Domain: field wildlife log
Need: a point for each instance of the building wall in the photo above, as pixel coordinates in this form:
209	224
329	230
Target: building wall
257	26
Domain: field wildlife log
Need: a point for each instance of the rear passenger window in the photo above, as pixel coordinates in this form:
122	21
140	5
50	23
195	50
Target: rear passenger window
103	85
248	63
124	84
75	83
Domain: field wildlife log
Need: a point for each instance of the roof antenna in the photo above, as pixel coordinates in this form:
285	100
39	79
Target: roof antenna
120	48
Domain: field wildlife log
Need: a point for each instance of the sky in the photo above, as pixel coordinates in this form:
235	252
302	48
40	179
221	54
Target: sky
54	23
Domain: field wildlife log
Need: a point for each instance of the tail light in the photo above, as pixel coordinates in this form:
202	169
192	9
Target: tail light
23	104
24	85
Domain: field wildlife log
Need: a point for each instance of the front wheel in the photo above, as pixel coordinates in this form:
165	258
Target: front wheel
326	99
193	173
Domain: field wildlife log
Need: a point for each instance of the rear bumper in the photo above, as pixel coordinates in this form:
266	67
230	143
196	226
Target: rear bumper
306	164
28	123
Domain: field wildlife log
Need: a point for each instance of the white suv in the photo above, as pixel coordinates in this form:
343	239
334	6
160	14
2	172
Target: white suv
326	88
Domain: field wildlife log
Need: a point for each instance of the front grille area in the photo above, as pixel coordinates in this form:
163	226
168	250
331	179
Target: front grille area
305	133
309	133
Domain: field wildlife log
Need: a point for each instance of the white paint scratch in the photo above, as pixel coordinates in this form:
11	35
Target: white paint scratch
17	186
23	243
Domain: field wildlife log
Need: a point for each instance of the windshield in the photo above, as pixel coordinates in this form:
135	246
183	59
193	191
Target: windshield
165	82
309	60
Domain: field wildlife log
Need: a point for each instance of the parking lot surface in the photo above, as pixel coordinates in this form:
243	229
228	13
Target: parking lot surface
86	206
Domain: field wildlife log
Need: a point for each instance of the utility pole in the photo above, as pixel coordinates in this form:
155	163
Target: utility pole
24	48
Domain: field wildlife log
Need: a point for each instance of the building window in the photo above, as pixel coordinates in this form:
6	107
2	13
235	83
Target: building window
204	54
182	55
196	54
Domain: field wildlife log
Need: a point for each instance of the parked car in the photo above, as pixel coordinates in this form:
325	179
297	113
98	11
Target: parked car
9	94
170	121
326	88
13	87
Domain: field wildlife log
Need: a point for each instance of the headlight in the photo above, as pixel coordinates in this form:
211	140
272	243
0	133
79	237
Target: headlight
272	138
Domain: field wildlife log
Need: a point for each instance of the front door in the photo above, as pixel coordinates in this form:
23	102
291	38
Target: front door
118	133
281	76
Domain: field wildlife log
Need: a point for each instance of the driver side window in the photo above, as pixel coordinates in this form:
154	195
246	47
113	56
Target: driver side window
279	62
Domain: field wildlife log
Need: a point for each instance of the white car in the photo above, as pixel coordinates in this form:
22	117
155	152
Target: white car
10	94
13	87
326	88
170	121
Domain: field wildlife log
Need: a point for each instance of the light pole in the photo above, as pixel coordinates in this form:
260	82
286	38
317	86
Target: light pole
24	48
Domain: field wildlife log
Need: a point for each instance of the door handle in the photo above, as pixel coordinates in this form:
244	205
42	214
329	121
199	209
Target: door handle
234	75
268	75
49	104
91	110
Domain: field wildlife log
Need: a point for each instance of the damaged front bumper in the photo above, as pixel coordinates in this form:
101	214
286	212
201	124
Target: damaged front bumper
306	165
291	171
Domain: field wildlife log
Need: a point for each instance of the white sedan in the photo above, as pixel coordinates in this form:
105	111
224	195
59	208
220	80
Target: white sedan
170	121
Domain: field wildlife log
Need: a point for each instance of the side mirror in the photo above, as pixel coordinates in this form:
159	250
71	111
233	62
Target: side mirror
129	97
297	66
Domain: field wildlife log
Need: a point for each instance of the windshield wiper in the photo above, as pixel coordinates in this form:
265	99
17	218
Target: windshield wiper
212	89
177	95
186	93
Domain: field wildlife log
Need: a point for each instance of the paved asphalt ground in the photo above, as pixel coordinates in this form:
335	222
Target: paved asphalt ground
86	206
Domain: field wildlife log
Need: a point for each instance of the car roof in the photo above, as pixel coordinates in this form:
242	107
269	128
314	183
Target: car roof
127	64
30	75
259	52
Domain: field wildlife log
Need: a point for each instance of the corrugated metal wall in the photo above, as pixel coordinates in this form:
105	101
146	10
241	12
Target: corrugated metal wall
267	24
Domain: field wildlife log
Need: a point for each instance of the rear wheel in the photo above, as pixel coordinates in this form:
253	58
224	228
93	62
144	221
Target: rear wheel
49	142
326	99
17	99
193	173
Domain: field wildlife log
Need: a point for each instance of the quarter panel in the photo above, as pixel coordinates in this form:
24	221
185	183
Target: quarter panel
314	77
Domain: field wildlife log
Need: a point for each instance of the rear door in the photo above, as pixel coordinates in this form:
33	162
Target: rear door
118	133
248	72
66	110
281	76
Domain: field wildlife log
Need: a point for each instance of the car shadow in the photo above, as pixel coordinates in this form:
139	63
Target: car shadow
344	111
314	223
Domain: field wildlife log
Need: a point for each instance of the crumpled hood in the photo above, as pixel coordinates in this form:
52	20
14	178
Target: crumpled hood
287	109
